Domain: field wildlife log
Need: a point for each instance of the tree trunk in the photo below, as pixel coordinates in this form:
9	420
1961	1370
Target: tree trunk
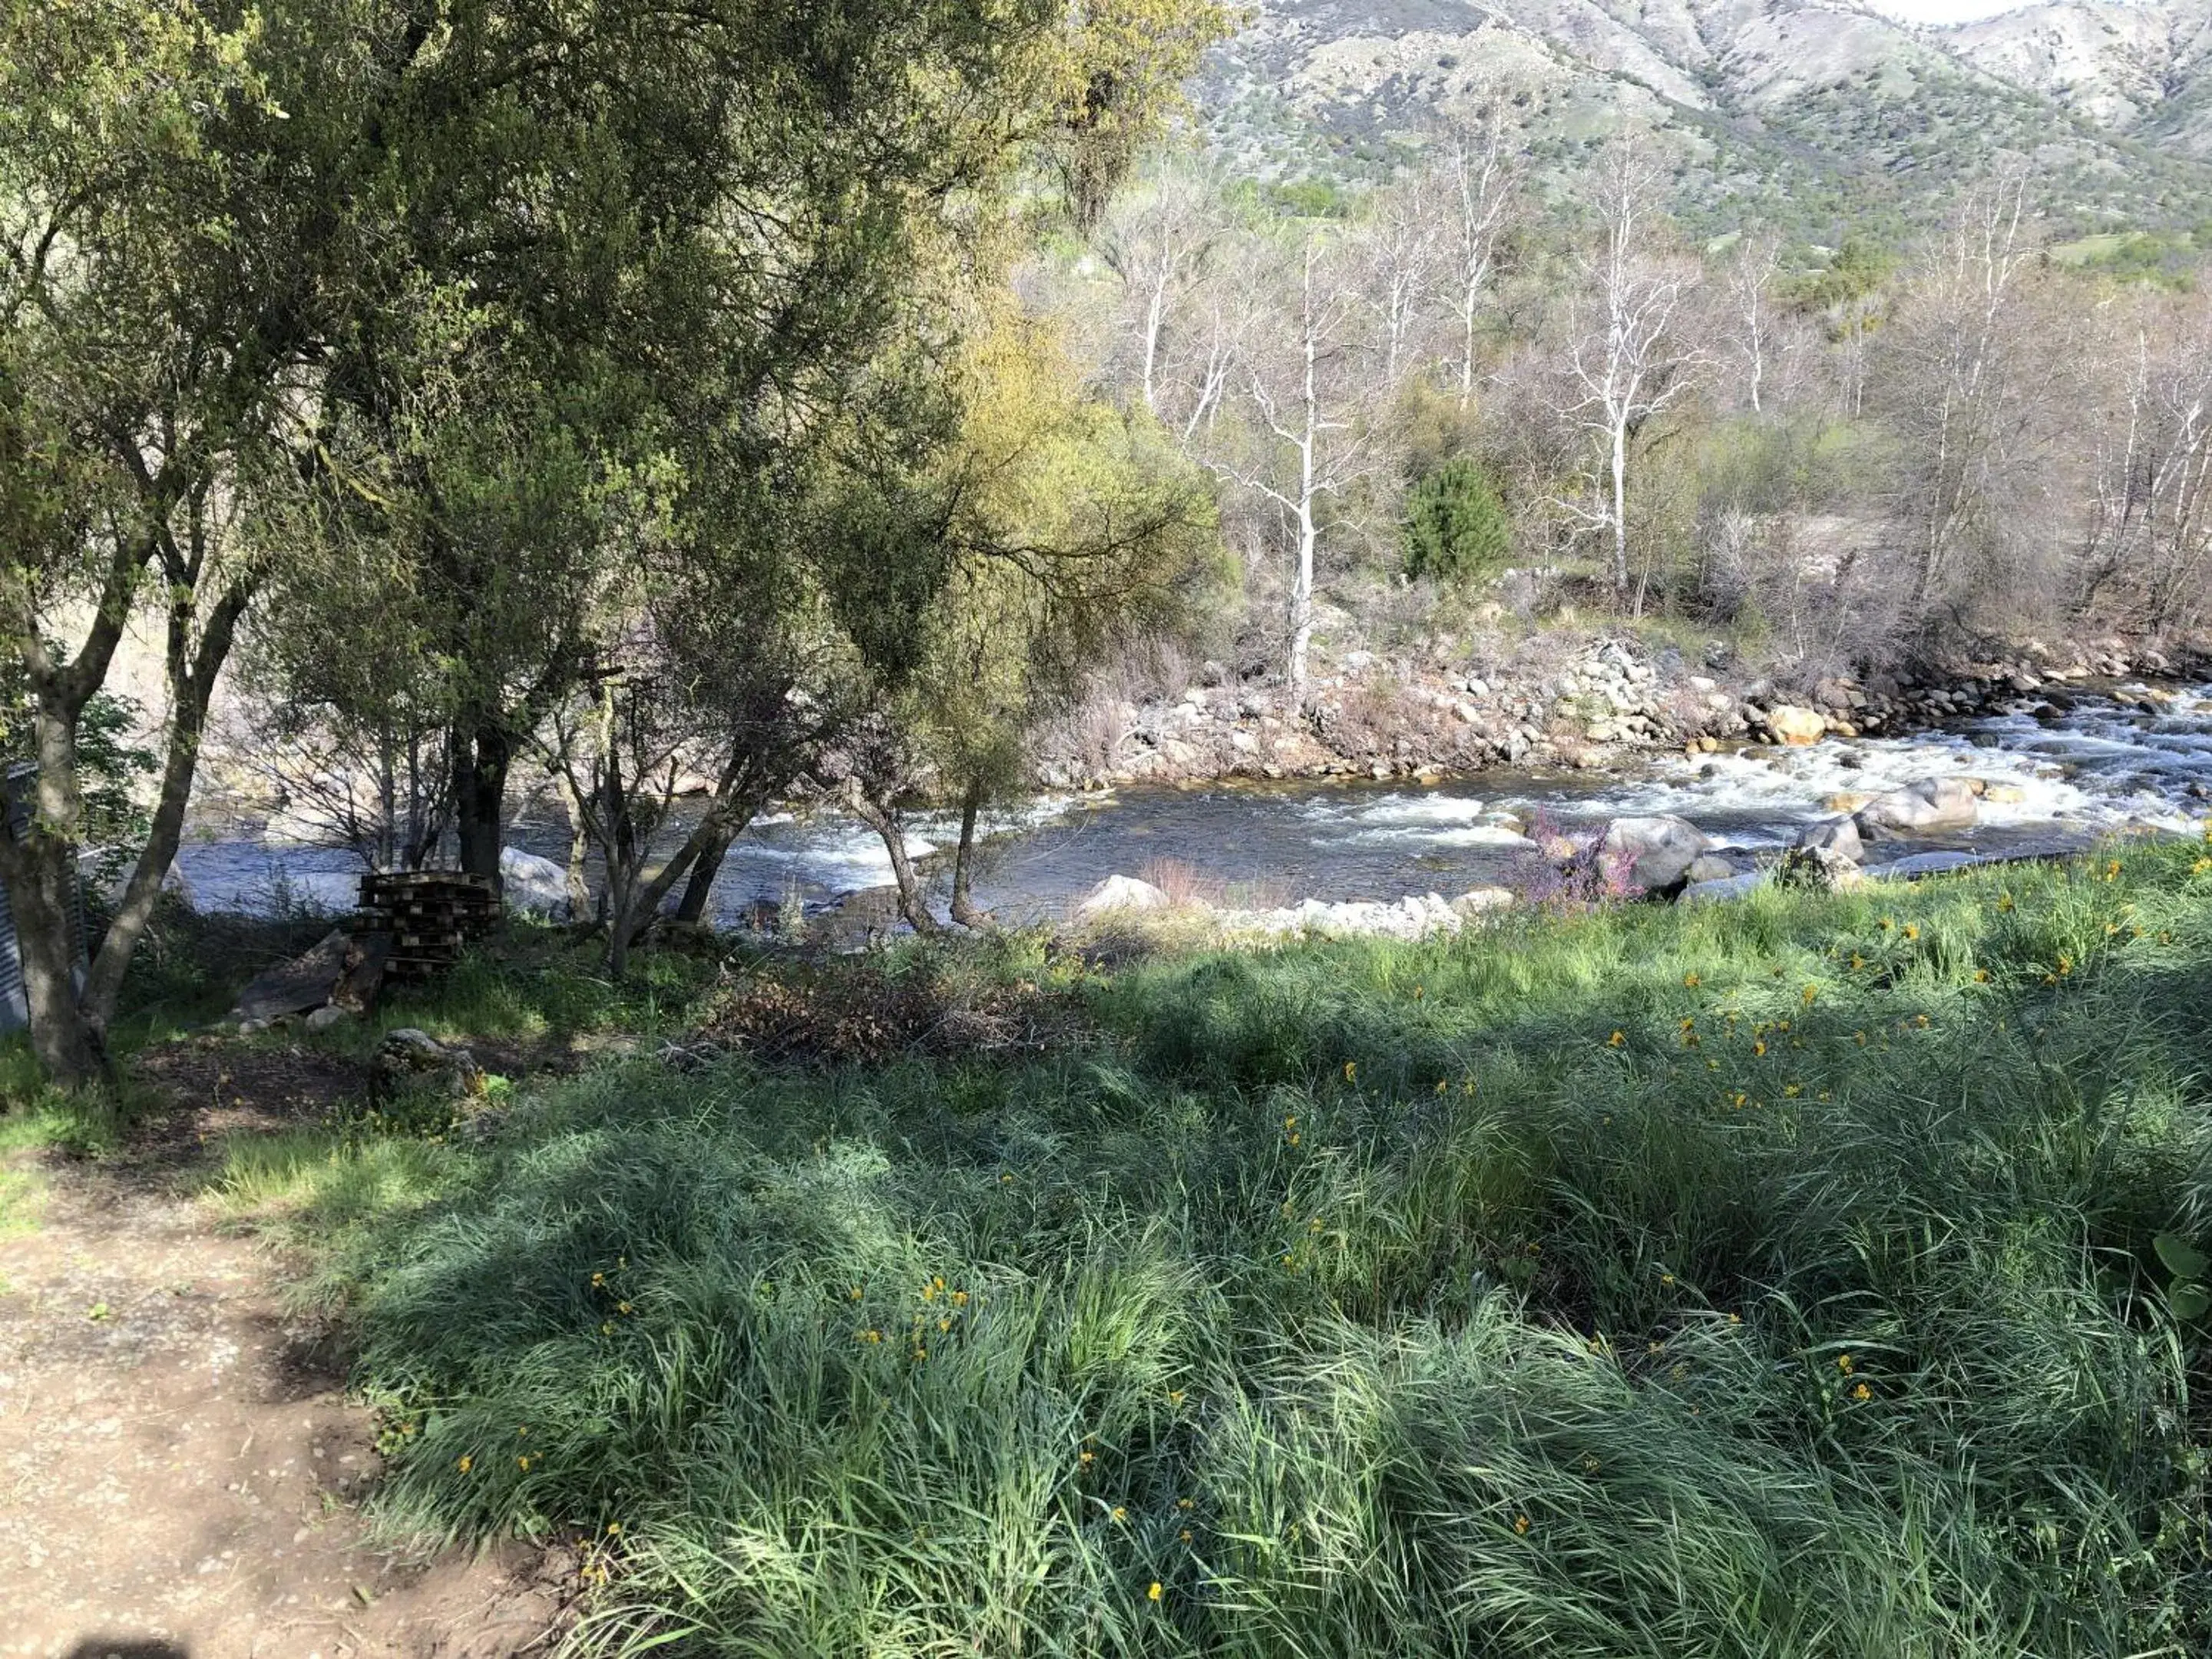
192	687
41	878
884	822
481	758
1621	511
691	908
963	908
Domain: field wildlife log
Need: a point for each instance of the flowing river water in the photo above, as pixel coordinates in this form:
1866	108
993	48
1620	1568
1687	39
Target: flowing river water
2060	779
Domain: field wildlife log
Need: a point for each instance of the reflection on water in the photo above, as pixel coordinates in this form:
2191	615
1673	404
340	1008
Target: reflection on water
2058	779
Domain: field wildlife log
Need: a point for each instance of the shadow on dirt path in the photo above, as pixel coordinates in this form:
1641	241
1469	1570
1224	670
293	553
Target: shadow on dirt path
180	1468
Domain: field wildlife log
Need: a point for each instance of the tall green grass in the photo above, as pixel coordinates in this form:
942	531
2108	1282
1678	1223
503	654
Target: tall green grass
1767	1279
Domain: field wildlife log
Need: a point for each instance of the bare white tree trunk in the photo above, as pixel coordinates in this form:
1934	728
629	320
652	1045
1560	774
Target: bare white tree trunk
1625	362
1484	188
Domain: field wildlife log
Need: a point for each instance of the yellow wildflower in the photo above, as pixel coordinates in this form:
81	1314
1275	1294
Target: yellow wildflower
1521	1524
1861	1393
1691	981
1155	1592
465	1463
1616	1039
1351	1071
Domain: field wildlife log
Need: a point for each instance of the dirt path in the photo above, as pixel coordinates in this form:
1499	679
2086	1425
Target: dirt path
179	1465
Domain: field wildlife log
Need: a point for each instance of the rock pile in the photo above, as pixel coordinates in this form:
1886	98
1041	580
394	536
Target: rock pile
1378	717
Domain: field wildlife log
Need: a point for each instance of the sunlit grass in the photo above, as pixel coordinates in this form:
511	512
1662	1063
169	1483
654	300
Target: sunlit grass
1773	1279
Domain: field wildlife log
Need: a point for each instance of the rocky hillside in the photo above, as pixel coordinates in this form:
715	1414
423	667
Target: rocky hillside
2138	69
1819	115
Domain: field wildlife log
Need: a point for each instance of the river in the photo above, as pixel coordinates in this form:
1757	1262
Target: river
2063	779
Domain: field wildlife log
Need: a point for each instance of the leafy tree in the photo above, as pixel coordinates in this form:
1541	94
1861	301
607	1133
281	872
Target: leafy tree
1048	523
1456	530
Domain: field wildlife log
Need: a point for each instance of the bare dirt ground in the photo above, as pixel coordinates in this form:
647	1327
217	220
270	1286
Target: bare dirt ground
180	1470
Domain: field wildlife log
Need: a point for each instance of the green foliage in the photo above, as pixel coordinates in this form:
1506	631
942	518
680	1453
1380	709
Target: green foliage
111	767
1757	1279
1456	530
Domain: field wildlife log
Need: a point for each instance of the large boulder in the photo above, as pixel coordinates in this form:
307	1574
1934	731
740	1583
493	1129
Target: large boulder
1122	893
531	884
1654	852
1838	837
1797	726
1927	806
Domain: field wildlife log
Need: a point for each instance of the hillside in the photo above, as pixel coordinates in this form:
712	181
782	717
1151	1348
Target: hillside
1821	114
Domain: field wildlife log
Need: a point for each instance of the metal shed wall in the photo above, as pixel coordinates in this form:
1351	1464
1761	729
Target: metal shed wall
15	1003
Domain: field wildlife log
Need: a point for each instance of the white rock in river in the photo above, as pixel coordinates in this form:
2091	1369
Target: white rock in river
536	885
1929	804
1122	893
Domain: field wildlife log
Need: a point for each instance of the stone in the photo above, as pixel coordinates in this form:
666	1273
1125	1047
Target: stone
1794	726
1708	867
1731	887
1838	836
1480	901
1925	806
326	1016
1122	893
407	1056
294	987
1657	850
1822	869
535	885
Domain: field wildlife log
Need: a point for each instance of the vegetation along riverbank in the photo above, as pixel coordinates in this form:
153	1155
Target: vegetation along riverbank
1816	1272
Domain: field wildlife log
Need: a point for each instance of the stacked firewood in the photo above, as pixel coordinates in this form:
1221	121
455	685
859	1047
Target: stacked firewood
428	915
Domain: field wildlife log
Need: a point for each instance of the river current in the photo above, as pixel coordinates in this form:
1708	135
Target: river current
2058	781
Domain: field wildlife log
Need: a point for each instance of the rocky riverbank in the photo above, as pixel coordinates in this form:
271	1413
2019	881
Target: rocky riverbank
1611	698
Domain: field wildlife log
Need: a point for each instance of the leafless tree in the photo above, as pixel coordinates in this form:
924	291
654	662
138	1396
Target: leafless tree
2148	527
1307	395
1748	322
1481	182
1627	360
1401	259
1157	243
1956	381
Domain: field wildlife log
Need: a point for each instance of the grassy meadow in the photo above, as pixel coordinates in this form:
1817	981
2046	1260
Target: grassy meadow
1771	1279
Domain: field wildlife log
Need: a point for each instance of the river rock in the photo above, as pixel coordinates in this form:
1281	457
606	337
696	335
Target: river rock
1795	725
1122	893
1658	849
1839	837
1708	867
1729	887
1480	901
1926	807
531	884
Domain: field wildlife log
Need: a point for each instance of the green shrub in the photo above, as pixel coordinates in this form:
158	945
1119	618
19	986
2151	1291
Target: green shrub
1456	531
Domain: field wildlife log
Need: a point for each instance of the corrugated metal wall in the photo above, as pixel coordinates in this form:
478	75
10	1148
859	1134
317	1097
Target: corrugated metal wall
15	1005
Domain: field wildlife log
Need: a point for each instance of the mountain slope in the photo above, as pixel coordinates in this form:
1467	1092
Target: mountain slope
1821	113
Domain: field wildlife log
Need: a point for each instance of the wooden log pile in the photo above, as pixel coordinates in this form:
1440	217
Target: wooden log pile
429	916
